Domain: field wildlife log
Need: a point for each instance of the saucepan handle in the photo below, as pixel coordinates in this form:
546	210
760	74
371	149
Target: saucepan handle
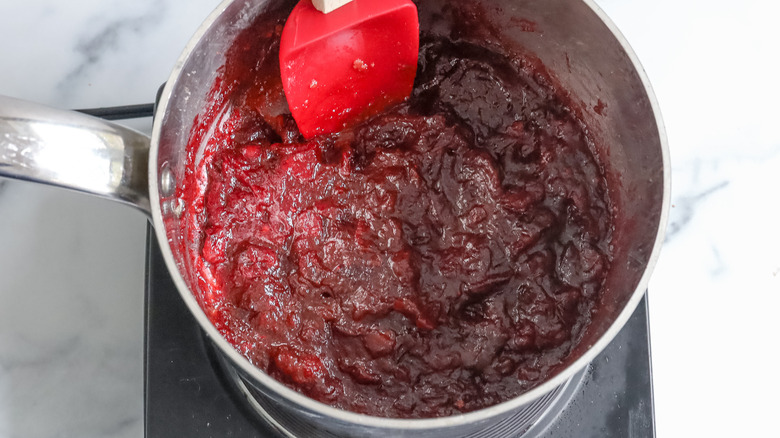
74	151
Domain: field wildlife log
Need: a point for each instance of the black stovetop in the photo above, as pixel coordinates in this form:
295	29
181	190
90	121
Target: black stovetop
188	395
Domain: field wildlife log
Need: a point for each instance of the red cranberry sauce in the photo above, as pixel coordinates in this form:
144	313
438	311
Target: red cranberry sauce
441	257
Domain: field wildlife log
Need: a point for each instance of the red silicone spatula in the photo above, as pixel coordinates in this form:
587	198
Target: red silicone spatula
343	66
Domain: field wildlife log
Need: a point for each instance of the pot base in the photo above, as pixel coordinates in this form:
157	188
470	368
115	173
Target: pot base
542	411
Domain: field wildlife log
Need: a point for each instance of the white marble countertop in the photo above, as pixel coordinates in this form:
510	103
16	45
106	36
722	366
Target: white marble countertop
71	267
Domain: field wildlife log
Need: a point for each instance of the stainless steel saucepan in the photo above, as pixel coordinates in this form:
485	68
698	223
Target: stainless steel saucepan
573	38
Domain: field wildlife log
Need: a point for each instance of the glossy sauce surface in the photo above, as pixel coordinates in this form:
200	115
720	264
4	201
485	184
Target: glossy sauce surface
441	257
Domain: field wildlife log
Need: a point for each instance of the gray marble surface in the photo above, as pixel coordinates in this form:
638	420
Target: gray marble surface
71	267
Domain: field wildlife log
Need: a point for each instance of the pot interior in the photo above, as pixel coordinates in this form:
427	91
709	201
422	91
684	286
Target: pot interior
581	51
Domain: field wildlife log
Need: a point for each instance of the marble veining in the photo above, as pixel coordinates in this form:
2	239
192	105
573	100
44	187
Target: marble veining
71	267
685	207
19	351
109	36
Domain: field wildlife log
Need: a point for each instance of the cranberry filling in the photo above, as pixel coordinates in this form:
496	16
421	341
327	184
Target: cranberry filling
439	258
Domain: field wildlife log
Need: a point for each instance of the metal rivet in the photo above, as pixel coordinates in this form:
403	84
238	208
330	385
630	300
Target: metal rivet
167	181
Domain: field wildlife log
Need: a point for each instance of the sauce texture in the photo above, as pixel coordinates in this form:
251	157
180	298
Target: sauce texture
439	258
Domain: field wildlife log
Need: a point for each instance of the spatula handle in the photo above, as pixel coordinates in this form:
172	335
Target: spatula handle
326	6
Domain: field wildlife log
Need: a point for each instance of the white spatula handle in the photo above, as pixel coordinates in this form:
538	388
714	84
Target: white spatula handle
326	6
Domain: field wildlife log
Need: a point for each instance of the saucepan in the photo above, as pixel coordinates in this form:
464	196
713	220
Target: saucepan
573	38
